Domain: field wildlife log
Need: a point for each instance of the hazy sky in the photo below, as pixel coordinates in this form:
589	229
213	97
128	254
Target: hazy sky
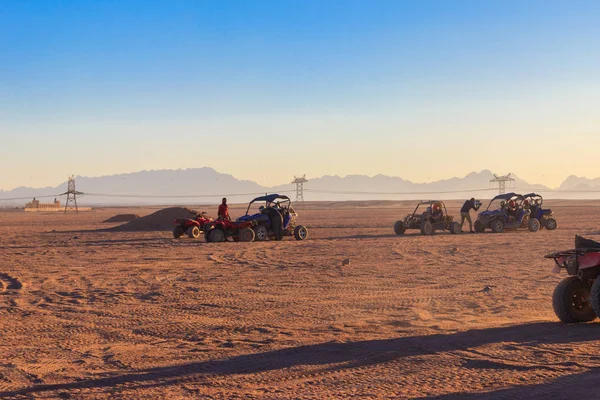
265	90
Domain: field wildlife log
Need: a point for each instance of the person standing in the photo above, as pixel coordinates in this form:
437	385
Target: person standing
464	212
223	212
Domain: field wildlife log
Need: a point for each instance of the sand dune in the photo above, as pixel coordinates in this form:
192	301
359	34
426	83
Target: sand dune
95	314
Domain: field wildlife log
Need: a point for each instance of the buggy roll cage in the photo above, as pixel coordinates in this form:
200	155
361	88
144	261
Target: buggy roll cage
535	197
431	203
271	198
507	197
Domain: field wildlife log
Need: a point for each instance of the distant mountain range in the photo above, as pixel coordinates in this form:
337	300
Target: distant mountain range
576	183
205	185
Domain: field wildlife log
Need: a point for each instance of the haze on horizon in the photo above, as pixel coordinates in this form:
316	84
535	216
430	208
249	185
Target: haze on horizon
423	90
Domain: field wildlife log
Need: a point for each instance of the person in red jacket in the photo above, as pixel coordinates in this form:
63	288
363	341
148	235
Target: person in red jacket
223	212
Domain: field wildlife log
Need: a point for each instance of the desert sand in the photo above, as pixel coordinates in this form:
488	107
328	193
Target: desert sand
95	314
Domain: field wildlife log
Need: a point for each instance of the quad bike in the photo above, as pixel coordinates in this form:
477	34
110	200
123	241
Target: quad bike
500	216
221	229
274	220
577	297
535	203
192	226
435	217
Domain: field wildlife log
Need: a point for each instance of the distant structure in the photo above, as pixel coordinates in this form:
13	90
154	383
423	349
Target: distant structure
501	181
72	194
35	205
300	181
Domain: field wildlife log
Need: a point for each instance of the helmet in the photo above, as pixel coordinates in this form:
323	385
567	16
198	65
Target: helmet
511	204
436	207
526	202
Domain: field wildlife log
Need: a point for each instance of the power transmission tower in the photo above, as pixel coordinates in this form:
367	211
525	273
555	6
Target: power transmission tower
300	187
72	194
501	181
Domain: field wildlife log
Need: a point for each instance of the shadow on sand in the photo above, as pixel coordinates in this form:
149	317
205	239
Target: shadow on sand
350	355
581	386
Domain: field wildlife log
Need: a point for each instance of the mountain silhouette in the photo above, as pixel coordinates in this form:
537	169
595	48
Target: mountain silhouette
205	185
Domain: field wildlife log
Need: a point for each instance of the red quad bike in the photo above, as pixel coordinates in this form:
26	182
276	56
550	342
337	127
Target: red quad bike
577	297
221	229
192	226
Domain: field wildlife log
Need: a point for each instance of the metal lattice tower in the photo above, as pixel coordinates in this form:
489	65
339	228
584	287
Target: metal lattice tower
501	181
300	187
72	194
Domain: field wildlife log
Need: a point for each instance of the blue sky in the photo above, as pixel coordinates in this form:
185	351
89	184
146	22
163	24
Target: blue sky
265	90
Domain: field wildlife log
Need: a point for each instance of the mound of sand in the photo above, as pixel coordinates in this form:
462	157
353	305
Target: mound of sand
122	218
161	220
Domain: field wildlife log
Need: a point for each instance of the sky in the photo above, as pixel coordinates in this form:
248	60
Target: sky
265	90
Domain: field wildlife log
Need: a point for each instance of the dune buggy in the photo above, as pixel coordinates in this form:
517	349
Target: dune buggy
500	215
220	230
535	203
275	219
190	226
577	297
429	216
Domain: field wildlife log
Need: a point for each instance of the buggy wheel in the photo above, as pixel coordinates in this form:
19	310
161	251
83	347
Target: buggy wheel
595	296
300	232
207	235
533	225
177	232
399	228
193	232
426	228
479	226
217	235
246	235
260	233
550	224
497	225
455	228
571	301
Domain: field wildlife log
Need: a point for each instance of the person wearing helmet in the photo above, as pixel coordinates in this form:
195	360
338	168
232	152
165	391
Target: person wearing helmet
436	213
512	210
469	205
223	212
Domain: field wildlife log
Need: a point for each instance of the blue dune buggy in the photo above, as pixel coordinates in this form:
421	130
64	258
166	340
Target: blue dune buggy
506	211
535	203
275	219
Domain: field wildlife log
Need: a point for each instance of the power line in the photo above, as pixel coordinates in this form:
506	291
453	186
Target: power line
398	193
154	196
29	197
346	192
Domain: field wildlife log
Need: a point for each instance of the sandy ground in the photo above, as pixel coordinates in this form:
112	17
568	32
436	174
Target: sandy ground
87	314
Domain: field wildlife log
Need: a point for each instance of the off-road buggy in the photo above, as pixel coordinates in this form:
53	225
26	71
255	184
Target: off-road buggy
577	297
535	203
500	215
275	219
429	216
220	230
191	226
